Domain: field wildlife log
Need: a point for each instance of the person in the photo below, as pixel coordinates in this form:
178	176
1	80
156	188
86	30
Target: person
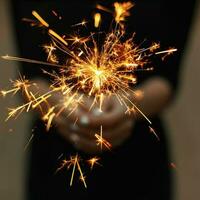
138	167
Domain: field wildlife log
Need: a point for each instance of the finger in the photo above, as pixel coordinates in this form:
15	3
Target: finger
110	134
70	136
118	132
95	118
106	119
77	112
119	141
91	103
79	142
89	145
73	127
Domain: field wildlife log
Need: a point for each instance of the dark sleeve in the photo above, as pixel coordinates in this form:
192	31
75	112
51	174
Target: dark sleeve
176	18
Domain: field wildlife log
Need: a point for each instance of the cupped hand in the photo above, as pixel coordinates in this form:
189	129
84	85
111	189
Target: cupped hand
83	127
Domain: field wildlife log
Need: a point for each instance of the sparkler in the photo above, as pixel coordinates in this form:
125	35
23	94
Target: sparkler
92	70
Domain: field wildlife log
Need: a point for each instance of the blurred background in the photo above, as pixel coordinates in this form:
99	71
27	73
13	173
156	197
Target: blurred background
182	118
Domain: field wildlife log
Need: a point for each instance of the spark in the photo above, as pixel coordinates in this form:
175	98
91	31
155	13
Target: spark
33	102
13	58
19	84
100	7
166	52
49	117
14	91
50	31
97	20
101	141
154	46
40	19
173	165
32	22
50	49
29	141
83	23
78	40
169	51
54	34
74	163
122	10
56	14
60	156
64	164
153	131
82	177
93	161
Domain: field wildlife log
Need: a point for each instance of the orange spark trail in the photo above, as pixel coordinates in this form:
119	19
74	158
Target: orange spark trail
53	33
93	161
153	131
101	141
40	19
13	58
97	20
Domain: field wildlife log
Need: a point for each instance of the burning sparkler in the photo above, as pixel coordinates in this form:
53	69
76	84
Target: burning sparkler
93	70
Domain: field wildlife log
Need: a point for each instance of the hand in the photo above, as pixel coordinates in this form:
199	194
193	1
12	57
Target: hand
116	125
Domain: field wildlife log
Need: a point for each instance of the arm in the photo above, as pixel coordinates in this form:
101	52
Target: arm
157	94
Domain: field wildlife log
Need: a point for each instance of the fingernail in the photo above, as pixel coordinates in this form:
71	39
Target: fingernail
84	120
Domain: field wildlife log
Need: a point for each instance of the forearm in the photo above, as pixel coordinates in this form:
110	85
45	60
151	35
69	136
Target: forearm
157	93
